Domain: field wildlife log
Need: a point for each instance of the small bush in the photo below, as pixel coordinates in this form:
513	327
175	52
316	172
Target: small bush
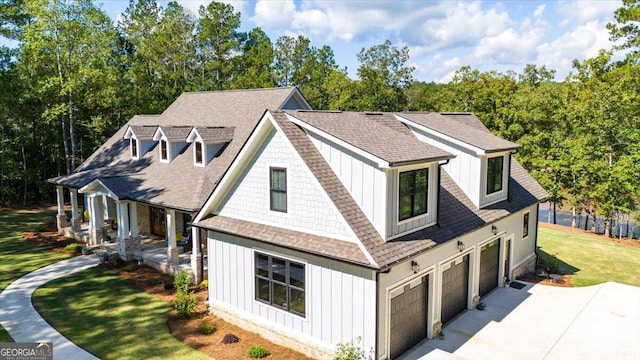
258	352
207	329
204	284
185	305
350	350
40	228
119	261
230	339
73	247
181	281
155	281
129	268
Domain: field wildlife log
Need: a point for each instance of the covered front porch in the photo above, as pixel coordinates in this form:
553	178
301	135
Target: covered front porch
156	236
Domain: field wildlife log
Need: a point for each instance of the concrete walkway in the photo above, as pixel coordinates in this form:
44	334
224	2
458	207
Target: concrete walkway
544	322
24	323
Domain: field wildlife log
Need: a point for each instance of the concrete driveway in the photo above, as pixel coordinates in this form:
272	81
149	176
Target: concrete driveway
544	322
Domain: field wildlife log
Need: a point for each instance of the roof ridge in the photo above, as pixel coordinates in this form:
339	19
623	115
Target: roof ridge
235	90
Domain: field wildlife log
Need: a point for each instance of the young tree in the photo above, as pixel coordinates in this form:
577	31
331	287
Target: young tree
384	77
254	66
218	44
628	28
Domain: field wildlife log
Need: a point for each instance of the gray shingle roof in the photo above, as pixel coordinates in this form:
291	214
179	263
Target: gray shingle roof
176	132
144	131
458	215
379	134
313	244
215	133
463	127
179	184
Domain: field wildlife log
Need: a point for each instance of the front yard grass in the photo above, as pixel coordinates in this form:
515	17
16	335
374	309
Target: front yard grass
107	316
19	257
589	258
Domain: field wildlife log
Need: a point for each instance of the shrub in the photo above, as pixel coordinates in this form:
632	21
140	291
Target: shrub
73	247
204	284
230	339
129	268
119	261
258	352
350	350
185	305
155	281
207	329
181	281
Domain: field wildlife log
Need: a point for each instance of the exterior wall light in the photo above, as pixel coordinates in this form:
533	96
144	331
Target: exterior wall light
415	266
461	246
494	229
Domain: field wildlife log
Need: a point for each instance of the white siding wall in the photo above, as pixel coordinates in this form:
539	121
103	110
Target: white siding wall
395	227
464	169
362	178
340	298
308	207
431	263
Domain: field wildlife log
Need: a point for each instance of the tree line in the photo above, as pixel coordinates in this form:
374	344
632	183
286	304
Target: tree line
76	77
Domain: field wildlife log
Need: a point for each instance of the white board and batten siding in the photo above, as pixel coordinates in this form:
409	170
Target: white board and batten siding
340	298
361	177
309	208
464	169
396	227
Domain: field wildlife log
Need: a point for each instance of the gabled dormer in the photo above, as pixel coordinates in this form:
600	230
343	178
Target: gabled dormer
482	162
171	141
208	142
140	140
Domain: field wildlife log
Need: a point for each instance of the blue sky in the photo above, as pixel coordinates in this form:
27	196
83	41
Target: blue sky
442	36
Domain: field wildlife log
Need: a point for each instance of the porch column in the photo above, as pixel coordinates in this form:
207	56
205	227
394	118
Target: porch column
96	216
127	245
196	256
61	218
133	220
172	249
75	221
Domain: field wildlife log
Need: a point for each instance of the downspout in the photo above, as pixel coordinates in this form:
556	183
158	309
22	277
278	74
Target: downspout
509	177
438	191
377	321
535	239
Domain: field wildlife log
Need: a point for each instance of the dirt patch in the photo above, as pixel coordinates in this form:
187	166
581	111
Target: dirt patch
569	229
188	331
565	281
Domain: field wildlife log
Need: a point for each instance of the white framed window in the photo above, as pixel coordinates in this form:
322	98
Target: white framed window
280	283
164	151
198	153
134	148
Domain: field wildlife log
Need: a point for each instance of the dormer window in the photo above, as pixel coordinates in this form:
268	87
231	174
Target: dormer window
209	143
134	148
413	193
495	168
163	151
198	153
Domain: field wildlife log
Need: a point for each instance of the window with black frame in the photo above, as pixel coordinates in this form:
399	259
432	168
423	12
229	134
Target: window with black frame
278	189
280	283
412	193
494	174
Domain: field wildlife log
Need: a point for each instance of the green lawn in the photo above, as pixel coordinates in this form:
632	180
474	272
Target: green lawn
19	257
110	318
589	259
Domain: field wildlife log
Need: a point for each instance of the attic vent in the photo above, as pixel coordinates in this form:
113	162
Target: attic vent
321	111
373	113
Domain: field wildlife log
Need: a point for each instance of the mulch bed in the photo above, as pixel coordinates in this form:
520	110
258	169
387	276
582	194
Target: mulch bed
49	237
153	282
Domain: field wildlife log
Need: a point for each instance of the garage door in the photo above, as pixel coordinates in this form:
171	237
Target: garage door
455	285
408	316
489	264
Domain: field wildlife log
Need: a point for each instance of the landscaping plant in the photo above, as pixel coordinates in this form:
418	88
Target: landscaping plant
207	329
258	352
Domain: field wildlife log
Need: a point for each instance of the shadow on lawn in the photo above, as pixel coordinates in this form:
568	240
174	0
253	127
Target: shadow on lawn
555	264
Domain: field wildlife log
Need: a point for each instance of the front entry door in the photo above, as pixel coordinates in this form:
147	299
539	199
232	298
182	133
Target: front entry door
158	221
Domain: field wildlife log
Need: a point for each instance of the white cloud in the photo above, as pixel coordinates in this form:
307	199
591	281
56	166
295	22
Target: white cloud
274	14
540	10
582	11
194	5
